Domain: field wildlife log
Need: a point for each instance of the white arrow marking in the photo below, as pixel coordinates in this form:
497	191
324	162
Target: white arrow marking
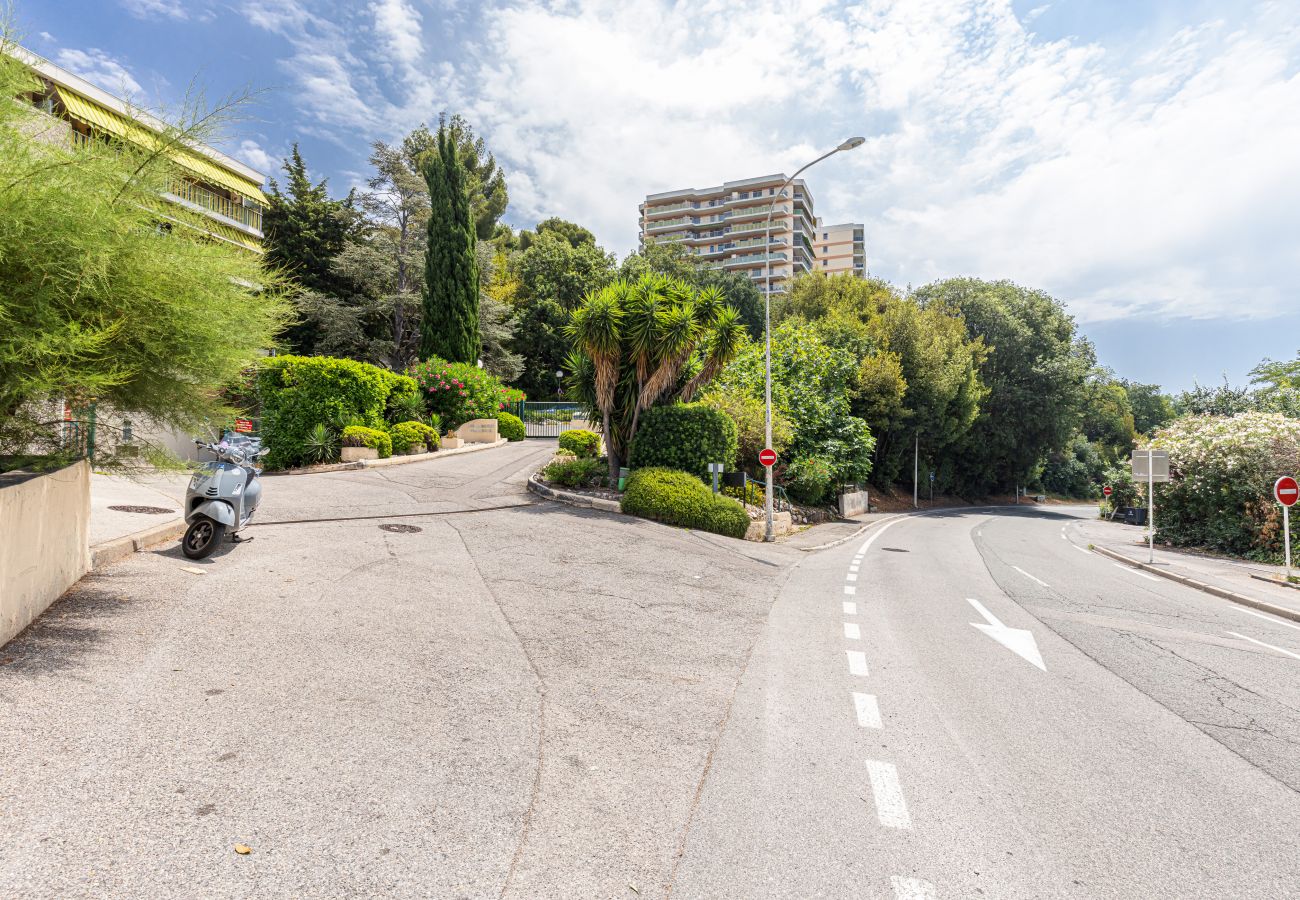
1017	640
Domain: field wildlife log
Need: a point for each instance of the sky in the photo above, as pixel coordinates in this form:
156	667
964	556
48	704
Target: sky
1137	159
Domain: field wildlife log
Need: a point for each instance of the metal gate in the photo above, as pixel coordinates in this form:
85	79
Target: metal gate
547	418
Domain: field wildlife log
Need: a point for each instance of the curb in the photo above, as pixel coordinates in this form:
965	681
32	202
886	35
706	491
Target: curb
1223	593
1267	579
109	552
390	461
573	499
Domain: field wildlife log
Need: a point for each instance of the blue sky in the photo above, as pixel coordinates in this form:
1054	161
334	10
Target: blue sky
1136	159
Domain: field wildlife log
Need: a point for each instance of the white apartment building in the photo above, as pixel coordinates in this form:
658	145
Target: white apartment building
840	249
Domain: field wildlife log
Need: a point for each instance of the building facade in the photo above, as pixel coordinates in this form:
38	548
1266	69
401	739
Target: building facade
725	226
225	192
841	249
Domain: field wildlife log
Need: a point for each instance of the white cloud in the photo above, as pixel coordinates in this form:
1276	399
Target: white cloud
252	153
100	69
147	9
398	26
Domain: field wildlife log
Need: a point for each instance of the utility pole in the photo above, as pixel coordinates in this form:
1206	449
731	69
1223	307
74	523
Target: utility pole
916	469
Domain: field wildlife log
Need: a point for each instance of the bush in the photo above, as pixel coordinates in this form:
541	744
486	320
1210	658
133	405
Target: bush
573	472
407	434
299	392
686	437
459	392
510	427
679	498
580	442
751	426
360	436
809	479
754	495
405	407
435	422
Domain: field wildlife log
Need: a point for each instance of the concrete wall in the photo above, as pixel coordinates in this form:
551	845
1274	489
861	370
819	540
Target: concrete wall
853	503
44	550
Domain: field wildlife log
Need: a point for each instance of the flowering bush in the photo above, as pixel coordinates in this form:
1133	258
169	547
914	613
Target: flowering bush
1222	470
459	392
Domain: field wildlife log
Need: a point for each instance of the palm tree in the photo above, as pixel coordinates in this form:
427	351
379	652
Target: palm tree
595	329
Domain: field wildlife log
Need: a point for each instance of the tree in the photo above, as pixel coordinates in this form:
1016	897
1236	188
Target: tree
1279	386
674	260
496	316
644	343
575	234
449	327
1152	410
101	296
485	183
1224	400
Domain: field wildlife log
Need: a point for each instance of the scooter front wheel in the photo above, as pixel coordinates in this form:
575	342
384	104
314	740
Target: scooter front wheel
201	538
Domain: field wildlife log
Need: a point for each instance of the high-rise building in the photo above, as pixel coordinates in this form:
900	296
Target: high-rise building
726	226
841	249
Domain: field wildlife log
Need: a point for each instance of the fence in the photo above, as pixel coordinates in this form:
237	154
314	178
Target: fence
548	419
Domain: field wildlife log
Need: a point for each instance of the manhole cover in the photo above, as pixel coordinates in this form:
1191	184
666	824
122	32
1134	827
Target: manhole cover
401	529
148	510
895	549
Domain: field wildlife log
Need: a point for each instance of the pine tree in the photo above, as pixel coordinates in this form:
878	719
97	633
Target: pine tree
450	324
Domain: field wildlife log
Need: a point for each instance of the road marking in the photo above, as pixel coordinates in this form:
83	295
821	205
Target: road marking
868	710
866	545
1030	577
1138	572
850	590
890	806
1083	550
1063	537
852	631
850	608
850	577
853	568
1251	612
857	662
912	889
1017	640
1262	644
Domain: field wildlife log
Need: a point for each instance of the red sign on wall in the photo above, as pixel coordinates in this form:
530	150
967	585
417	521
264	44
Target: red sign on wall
244	426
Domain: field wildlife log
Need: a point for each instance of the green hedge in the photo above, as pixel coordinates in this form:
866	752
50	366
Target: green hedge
573	472
375	439
581	443
299	392
685	436
679	498
510	426
407	434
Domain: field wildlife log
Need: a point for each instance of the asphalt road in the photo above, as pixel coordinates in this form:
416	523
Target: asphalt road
526	700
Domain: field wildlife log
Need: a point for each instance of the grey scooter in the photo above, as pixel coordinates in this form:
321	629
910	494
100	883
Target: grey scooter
222	496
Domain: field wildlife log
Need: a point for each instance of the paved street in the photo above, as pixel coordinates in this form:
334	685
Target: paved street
526	700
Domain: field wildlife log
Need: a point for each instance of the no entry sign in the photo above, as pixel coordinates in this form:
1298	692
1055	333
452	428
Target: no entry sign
1286	490
1106	491
767	456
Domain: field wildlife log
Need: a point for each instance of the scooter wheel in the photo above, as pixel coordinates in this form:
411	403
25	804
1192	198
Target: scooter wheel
201	538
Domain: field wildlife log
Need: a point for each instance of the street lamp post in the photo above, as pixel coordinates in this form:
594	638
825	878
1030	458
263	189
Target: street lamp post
768	533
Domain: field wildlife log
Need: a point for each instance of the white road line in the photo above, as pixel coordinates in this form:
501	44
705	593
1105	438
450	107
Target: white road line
850	590
850	608
851	577
1063	537
1138	572
1262	644
1083	550
853	568
1273	619
890	806
866	545
852	631
1030	577
868	710
857	662
912	889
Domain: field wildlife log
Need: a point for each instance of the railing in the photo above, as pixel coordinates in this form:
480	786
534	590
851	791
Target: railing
189	191
671	207
667	223
756	211
755	258
777	225
550	419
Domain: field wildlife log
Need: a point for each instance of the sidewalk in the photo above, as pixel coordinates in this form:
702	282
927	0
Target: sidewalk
1229	575
158	499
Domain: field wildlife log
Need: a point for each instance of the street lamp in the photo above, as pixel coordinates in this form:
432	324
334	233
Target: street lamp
768	533
559	392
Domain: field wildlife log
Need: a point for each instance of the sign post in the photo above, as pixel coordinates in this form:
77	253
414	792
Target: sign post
1286	490
767	456
1107	491
1153	465
715	469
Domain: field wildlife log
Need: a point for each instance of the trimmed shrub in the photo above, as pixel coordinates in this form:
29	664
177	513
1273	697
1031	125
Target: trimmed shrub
573	472
299	392
679	498
361	436
459	392
580	442
686	437
407	434
510	427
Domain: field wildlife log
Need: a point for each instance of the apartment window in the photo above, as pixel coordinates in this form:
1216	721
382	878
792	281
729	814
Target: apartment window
711	248
825	236
757	273
824	247
744	195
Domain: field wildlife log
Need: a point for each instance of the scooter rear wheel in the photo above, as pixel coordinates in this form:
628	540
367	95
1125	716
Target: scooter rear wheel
201	538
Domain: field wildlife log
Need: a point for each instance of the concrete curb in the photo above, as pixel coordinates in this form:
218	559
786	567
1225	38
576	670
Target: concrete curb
1268	579
390	461
572	499
1241	599
109	552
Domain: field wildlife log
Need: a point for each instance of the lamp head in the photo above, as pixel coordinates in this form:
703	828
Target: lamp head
851	143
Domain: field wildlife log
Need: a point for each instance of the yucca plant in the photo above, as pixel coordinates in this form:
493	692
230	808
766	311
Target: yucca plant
321	444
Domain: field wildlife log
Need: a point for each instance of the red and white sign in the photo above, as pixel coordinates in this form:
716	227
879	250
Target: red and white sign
767	456
244	426
1106	491
1286	490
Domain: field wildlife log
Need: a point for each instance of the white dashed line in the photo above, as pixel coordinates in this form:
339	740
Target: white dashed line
1275	621
1137	572
852	631
890	806
853	568
868	710
850	590
1262	644
1030	577
850	608
857	662
851	577
912	889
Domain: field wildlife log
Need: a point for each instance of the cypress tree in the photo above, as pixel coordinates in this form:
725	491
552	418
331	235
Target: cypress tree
450	324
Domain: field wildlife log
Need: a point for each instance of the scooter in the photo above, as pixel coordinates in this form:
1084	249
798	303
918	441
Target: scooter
223	495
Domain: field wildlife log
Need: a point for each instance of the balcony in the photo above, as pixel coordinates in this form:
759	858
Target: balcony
668	223
249	216
777	225
755	259
667	208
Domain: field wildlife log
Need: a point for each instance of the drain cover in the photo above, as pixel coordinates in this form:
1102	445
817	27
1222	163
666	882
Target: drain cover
150	510
401	529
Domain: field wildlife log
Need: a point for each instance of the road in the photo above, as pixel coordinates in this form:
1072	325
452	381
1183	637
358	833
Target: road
526	700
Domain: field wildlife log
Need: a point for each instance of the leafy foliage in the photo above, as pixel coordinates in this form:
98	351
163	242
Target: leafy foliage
321	445
684	436
580	472
751	426
374	438
1078	471
1151	408
580	442
510	426
449	327
407	434
459	392
680	498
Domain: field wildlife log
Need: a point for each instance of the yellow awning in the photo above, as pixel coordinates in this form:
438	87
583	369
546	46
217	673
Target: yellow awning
122	127
234	234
